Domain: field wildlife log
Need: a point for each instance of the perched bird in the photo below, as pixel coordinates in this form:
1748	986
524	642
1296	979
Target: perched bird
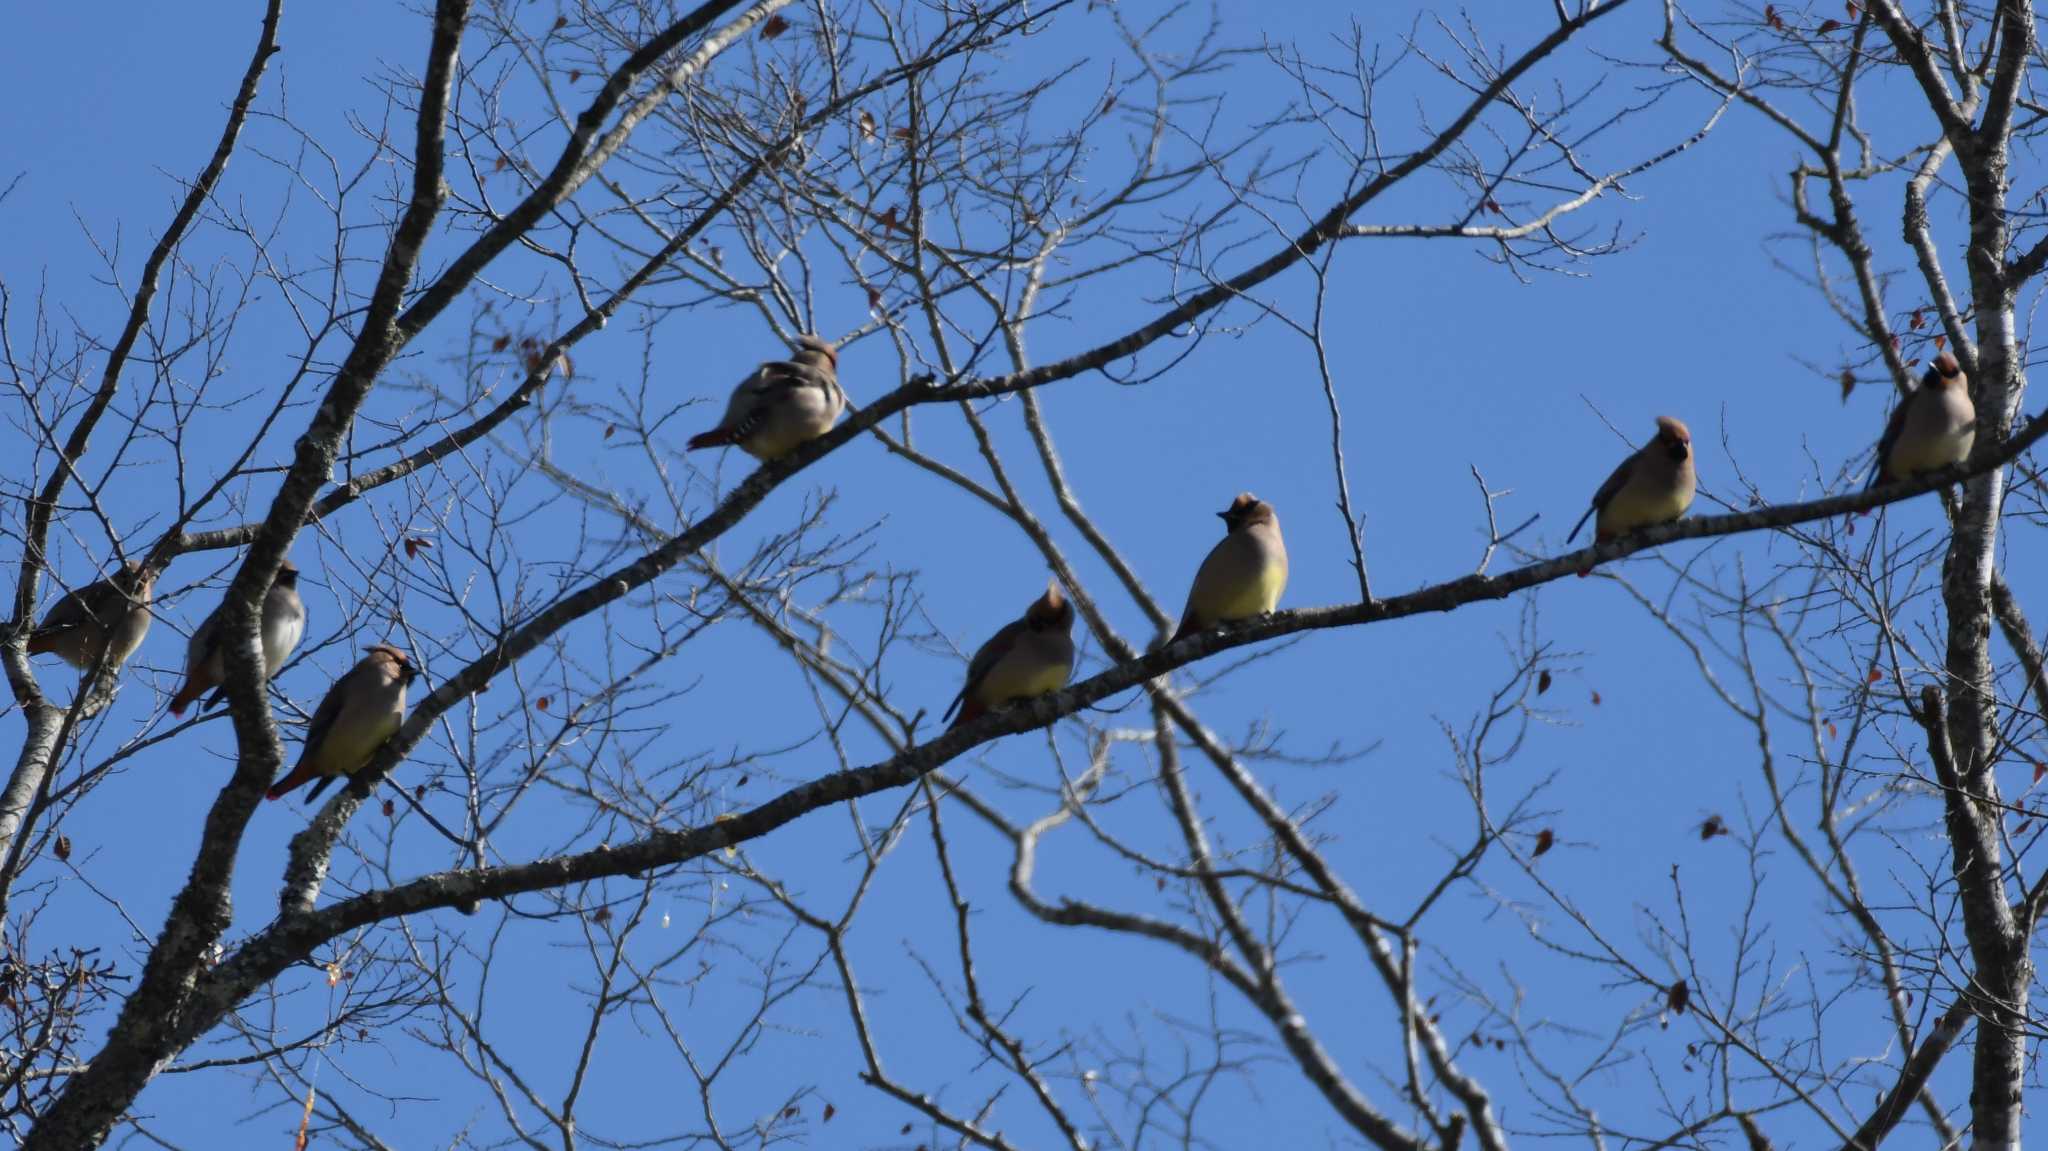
284	621
358	714
79	624
1244	573
1028	657
1933	427
1652	486
782	404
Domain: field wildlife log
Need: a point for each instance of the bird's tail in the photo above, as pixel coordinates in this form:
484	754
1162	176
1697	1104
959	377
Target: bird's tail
1581	525
290	782
715	438
970	711
313	792
42	641
192	690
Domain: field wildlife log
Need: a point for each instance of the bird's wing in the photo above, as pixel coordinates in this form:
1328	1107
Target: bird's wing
758	394
1894	427
200	647
1606	493
325	715
89	604
985	660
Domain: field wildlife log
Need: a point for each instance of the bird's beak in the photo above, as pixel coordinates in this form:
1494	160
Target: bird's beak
1224	516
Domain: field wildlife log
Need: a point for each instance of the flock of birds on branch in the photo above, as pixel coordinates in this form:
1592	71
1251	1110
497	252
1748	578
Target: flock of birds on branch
786	403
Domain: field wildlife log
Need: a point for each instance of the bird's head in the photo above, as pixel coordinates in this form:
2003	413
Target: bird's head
1945	373
816	350
1674	437
1246	510
1052	611
135	579
288	575
399	661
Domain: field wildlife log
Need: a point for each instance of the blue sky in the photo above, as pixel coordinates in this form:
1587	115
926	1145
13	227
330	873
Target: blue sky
1444	362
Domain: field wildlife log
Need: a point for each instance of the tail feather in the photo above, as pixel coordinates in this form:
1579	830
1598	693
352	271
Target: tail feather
41	642
289	783
970	710
191	691
1581	525
313	793
715	438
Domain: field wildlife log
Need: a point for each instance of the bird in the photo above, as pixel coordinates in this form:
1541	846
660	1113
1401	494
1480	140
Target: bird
1654	485
78	625
356	716
1028	657
284	622
1932	428
1244	573
782	404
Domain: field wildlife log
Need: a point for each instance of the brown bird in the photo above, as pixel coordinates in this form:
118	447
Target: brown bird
1245	572
1933	427
358	714
284	621
1654	485
1026	658
783	404
79	624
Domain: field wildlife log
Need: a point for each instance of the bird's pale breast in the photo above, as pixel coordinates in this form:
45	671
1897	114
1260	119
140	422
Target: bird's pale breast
353	740
1644	501
1027	670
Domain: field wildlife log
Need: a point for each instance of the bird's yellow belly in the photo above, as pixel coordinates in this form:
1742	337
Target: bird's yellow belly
773	445
344	752
1005	683
1632	508
1253	597
1931	453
